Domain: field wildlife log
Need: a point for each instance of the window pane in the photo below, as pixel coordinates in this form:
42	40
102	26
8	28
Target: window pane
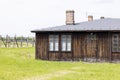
115	43
68	42
50	37
91	37
56	46
56	42
63	42
51	42
115	36
69	46
64	37
114	49
63	46
51	46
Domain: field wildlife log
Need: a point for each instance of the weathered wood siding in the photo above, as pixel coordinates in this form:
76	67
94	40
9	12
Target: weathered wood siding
77	46
41	46
59	56
42	49
99	49
104	46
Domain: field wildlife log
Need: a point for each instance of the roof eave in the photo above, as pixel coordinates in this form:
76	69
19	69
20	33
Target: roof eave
78	31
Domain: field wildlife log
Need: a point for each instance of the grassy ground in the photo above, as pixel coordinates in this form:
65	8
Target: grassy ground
19	64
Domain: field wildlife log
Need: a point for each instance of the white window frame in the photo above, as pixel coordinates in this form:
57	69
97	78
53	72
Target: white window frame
66	43
116	43
53	43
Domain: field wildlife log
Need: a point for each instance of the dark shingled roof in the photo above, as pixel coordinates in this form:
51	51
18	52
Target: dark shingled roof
108	24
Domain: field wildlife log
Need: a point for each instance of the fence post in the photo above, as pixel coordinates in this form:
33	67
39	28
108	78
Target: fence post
21	40
16	41
27	40
9	41
3	41
6	40
13	42
33	42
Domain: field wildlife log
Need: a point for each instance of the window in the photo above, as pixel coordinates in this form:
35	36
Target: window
53	43
116	43
66	42
91	36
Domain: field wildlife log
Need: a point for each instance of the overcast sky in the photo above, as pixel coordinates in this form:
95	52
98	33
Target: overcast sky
21	16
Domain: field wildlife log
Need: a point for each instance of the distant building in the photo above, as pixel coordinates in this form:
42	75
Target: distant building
93	40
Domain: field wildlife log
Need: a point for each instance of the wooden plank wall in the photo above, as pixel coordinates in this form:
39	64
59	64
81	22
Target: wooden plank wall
81	50
84	50
42	49
56	56
77	46
103	46
41	46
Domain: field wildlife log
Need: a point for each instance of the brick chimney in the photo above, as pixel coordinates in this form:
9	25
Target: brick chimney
70	17
90	18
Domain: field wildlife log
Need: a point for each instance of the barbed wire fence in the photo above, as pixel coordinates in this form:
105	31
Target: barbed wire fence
16	41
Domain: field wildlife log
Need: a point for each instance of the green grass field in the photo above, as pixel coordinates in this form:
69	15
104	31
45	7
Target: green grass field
19	64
